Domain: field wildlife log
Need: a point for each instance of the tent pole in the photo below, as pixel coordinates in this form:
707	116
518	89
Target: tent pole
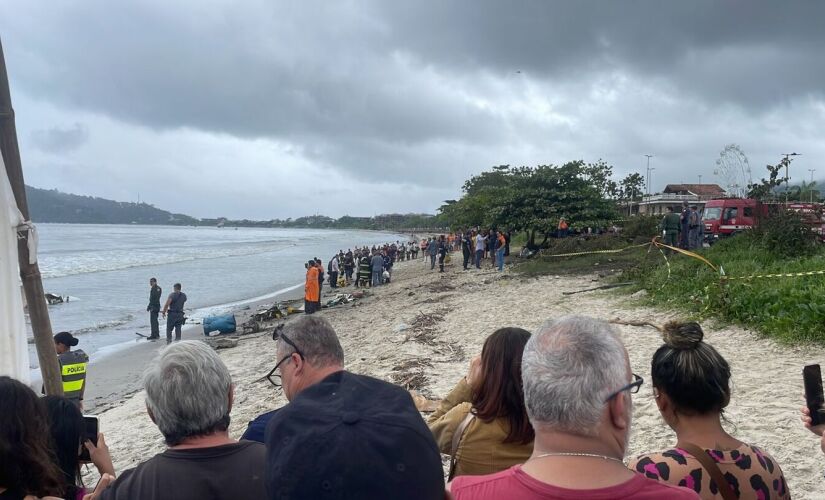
29	273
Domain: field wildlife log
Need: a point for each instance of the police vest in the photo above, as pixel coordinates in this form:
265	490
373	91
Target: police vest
73	372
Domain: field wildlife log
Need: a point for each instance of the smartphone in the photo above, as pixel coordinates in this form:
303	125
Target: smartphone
814	397
90	430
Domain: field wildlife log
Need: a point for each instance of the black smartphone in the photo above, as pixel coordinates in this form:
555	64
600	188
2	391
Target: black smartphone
814	397
90	430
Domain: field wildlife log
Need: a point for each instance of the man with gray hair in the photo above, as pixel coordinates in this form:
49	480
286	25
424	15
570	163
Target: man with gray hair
577	390
343	435
189	397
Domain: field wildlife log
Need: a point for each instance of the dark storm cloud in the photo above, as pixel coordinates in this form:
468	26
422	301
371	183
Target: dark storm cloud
319	69
60	140
755	53
426	93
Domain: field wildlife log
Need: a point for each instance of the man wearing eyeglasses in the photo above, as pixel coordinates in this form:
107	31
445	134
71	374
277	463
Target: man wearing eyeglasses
343	435
577	390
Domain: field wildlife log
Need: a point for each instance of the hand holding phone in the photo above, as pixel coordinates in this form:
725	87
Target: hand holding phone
90	431
99	454
814	396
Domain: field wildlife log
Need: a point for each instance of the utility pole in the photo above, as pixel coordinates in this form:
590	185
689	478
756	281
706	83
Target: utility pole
787	163
811	188
649	170
29	273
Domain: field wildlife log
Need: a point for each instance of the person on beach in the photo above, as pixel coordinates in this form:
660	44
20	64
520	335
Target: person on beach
173	312
507	237
153	308
377	266
26	463
467	248
443	248
72	367
480	245
684	226
364	276
432	251
694	221
189	395
333	271
482	423
577	391
311	288
320	266
563	228
670	226
66	428
492	246
500	251
691	387
343	434
349	265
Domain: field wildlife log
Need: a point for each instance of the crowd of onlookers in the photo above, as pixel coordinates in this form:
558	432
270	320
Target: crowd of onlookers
372	266
538	415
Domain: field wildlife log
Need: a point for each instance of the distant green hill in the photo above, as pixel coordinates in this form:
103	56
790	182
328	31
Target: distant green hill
50	205
54	206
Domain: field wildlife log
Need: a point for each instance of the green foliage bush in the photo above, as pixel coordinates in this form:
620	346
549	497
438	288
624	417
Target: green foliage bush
787	308
641	226
785	234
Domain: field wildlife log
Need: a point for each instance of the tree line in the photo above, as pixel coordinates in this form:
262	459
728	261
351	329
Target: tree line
533	199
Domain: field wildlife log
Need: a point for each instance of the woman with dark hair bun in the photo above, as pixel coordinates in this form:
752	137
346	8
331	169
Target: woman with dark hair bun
26	466
483	423
691	385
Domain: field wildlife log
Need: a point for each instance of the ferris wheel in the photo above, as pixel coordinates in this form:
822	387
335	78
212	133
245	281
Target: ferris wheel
733	170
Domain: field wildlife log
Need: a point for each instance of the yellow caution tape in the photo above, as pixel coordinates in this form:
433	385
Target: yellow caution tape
573	254
685	252
717	269
775	275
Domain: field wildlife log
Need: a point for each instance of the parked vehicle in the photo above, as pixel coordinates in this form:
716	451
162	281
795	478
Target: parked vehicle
725	217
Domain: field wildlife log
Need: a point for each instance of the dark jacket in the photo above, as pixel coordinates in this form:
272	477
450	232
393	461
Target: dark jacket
154	299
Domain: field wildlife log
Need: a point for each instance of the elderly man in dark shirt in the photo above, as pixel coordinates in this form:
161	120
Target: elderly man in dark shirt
189	396
154	308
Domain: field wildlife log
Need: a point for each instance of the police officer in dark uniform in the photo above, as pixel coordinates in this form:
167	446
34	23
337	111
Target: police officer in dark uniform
72	367
154	308
173	312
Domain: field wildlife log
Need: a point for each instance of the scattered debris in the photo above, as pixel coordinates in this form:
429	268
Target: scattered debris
222	342
603	287
619	321
410	374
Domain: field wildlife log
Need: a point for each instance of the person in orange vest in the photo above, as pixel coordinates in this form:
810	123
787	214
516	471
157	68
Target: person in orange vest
72	367
562	228
312	290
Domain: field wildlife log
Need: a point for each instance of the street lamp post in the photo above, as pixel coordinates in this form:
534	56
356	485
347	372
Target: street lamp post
786	155
811	188
649	170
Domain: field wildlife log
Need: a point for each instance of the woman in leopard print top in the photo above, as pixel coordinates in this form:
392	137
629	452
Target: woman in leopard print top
691	387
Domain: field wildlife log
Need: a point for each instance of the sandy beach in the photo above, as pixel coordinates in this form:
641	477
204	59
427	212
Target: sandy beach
422	330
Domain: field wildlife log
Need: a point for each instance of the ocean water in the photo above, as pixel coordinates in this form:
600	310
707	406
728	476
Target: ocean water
105	270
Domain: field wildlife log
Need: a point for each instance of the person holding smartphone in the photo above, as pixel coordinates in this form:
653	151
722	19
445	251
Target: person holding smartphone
72	445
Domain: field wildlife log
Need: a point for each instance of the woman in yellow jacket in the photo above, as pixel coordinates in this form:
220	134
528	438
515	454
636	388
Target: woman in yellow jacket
483	423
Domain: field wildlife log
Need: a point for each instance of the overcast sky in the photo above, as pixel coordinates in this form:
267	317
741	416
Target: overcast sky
264	109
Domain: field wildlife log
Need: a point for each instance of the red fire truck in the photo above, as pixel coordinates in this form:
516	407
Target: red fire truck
727	216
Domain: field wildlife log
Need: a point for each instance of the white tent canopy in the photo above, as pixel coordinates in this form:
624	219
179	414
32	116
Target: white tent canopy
14	354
